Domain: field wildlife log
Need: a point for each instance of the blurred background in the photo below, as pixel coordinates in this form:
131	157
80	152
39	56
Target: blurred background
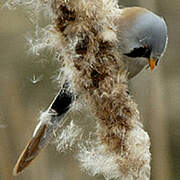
27	87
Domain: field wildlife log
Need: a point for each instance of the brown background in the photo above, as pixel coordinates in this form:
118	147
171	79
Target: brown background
157	93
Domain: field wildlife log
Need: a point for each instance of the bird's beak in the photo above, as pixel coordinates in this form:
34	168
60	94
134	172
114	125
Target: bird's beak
152	63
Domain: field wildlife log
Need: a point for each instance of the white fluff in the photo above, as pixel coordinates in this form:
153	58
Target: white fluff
95	159
70	135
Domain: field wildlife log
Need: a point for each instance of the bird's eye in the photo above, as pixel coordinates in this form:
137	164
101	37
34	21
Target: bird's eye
139	52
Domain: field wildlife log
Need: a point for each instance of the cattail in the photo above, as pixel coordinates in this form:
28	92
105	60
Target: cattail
83	34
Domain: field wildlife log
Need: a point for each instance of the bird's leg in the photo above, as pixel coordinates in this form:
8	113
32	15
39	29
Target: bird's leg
49	123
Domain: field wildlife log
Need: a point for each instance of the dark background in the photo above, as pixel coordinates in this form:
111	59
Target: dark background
21	100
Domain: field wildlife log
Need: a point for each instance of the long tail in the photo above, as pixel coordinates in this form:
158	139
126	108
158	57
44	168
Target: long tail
45	128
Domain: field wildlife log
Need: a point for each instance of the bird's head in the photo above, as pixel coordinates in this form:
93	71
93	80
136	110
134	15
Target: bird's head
142	38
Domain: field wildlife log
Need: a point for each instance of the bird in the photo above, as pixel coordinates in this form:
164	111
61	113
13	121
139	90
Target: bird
139	39
143	38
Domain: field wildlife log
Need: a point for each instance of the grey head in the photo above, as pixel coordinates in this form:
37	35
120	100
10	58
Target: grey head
142	38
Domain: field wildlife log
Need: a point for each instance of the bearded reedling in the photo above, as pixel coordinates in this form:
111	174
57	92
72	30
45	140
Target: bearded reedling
102	46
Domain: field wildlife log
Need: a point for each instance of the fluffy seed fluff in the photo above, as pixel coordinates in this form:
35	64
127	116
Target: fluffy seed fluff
70	135
83	33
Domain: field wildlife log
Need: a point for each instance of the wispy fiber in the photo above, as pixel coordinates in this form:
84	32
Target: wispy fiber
83	33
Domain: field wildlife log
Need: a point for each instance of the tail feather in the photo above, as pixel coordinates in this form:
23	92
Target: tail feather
49	123
31	150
